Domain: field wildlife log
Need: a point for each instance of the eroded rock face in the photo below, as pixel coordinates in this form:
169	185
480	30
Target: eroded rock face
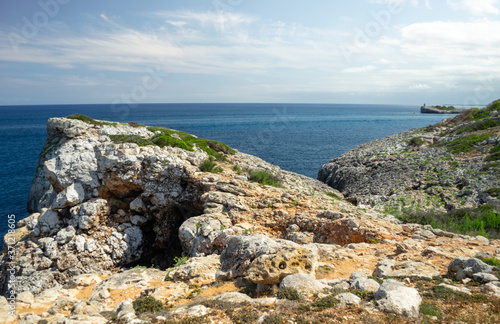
264	260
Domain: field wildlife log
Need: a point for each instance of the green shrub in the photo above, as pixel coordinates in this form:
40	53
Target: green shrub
288	293
264	177
237	169
416	141
209	165
493	157
147	304
274	319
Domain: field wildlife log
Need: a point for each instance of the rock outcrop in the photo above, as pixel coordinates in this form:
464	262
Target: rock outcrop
446	166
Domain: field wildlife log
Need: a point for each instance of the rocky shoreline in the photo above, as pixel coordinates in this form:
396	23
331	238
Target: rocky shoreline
136	224
444	166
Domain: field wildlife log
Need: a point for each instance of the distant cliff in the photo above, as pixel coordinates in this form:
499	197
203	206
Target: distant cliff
438	110
453	164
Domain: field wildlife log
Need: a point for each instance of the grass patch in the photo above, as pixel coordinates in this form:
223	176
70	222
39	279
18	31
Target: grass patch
324	303
237	169
209	165
444	293
479	125
288	293
492	261
466	143
430	310
90	120
168	137
478	114
147	304
484	220
264	177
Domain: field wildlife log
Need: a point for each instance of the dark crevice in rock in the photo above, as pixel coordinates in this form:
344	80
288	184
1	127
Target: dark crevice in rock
161	242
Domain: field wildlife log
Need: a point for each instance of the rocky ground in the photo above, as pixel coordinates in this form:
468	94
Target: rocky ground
450	165
127	228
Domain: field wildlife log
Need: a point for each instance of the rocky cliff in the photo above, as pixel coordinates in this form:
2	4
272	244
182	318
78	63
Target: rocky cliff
135	224
433	110
450	165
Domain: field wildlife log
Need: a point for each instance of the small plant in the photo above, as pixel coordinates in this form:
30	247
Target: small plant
237	169
195	291
295	203
416	141
198	226
264	177
209	165
167	277
147	304
288	293
492	261
245	315
274	319
139	267
178	261
324	303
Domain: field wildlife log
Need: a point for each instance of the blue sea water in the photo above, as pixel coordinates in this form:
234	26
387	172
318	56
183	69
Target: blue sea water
296	137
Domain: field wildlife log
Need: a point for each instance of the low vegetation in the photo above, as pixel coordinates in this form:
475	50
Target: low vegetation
484	220
465	144
209	165
90	120
446	108
264	177
416	141
147	304
167	137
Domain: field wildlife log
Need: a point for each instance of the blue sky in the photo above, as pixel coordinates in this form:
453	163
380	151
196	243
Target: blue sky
319	51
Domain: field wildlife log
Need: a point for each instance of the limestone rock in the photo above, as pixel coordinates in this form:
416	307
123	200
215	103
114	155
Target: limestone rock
198	234
264	260
199	270
360	281
304	284
396	298
69	197
234	297
484	278
389	268
348	299
461	268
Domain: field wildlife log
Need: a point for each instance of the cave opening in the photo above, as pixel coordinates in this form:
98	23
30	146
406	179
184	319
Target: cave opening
161	244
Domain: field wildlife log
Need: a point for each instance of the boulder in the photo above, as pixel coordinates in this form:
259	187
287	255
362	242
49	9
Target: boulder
394	297
198	234
484	278
305	285
264	260
389	268
348	299
461	268
199	270
360	281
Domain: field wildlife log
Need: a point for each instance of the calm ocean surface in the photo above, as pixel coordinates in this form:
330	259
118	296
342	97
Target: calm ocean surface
296	137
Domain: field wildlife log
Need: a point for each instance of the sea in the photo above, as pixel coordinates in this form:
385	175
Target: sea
297	137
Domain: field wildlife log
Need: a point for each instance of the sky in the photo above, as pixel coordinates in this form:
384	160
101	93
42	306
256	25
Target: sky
274	51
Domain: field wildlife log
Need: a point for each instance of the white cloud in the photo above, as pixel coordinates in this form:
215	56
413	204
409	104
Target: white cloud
361	69
476	7
420	86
